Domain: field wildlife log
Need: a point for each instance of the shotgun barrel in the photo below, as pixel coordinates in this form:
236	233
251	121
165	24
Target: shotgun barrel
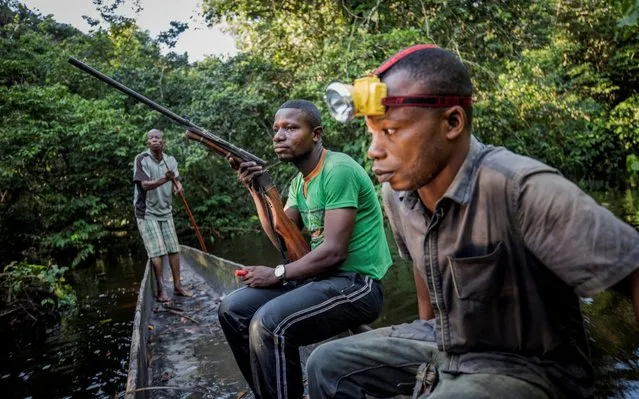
225	145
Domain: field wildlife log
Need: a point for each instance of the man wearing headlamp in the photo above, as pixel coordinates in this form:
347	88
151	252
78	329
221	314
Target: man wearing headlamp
502	247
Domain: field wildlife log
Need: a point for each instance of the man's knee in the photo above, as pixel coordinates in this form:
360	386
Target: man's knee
228	311
319	358
328	372
325	358
262	324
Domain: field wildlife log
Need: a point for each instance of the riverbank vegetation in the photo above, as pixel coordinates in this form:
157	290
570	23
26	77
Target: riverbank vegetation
31	294
554	80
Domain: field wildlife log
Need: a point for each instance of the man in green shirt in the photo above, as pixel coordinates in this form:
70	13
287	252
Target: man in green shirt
335	287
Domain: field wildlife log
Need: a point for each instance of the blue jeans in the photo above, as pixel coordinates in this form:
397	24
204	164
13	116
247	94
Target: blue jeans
380	365
266	326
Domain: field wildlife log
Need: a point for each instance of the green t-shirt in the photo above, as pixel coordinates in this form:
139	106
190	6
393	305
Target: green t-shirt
342	183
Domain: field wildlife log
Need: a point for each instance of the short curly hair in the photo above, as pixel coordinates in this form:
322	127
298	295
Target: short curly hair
439	70
313	116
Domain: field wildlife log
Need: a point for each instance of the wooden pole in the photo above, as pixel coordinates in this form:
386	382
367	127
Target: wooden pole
192	219
188	211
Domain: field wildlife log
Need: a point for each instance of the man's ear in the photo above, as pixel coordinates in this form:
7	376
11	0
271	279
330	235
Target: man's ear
455	122
318	132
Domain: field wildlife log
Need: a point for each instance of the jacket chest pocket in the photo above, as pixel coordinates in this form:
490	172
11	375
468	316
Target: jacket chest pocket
478	277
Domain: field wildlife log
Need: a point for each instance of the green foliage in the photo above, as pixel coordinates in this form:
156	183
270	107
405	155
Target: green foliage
540	115
624	123
68	142
630	13
553	80
632	166
34	290
61	160
547	84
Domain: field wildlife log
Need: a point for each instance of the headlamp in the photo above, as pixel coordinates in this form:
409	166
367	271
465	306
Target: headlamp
367	95
364	97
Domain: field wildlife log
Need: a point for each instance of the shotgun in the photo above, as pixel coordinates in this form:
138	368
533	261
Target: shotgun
292	244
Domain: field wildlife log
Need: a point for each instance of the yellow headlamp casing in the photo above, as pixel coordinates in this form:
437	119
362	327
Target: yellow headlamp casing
367	96
362	98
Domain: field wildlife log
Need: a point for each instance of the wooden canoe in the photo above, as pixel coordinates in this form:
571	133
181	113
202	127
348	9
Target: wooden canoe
178	350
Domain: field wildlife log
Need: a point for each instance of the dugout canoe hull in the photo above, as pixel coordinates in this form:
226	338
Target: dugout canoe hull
217	273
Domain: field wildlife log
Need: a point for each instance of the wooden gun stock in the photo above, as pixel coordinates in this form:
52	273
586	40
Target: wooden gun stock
202	139
296	245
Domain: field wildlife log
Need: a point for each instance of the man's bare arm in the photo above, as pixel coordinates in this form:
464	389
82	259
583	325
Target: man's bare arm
153	184
338	228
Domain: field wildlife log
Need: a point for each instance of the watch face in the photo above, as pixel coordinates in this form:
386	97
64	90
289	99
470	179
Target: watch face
279	271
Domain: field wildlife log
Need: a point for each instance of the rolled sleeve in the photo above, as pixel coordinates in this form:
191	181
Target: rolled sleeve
580	241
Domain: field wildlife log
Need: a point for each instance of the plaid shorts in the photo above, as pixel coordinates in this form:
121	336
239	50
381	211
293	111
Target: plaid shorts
159	236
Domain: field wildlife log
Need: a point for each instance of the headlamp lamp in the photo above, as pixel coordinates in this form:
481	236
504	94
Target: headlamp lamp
367	95
364	97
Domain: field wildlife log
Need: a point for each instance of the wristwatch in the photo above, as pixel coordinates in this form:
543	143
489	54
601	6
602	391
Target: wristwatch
280	273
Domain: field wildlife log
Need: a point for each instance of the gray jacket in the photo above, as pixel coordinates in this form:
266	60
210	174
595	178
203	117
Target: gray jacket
510	247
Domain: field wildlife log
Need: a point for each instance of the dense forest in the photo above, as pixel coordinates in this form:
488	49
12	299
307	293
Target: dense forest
556	80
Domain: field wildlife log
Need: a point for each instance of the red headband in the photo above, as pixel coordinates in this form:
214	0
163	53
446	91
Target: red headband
427	101
419	101
393	60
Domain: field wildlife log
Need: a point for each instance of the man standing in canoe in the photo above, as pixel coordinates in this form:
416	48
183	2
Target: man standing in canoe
155	176
333	288
502	247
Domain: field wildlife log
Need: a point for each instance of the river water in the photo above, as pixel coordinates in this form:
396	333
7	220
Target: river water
86	354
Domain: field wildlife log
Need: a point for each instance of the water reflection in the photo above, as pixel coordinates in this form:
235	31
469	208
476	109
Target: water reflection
86	354
611	321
